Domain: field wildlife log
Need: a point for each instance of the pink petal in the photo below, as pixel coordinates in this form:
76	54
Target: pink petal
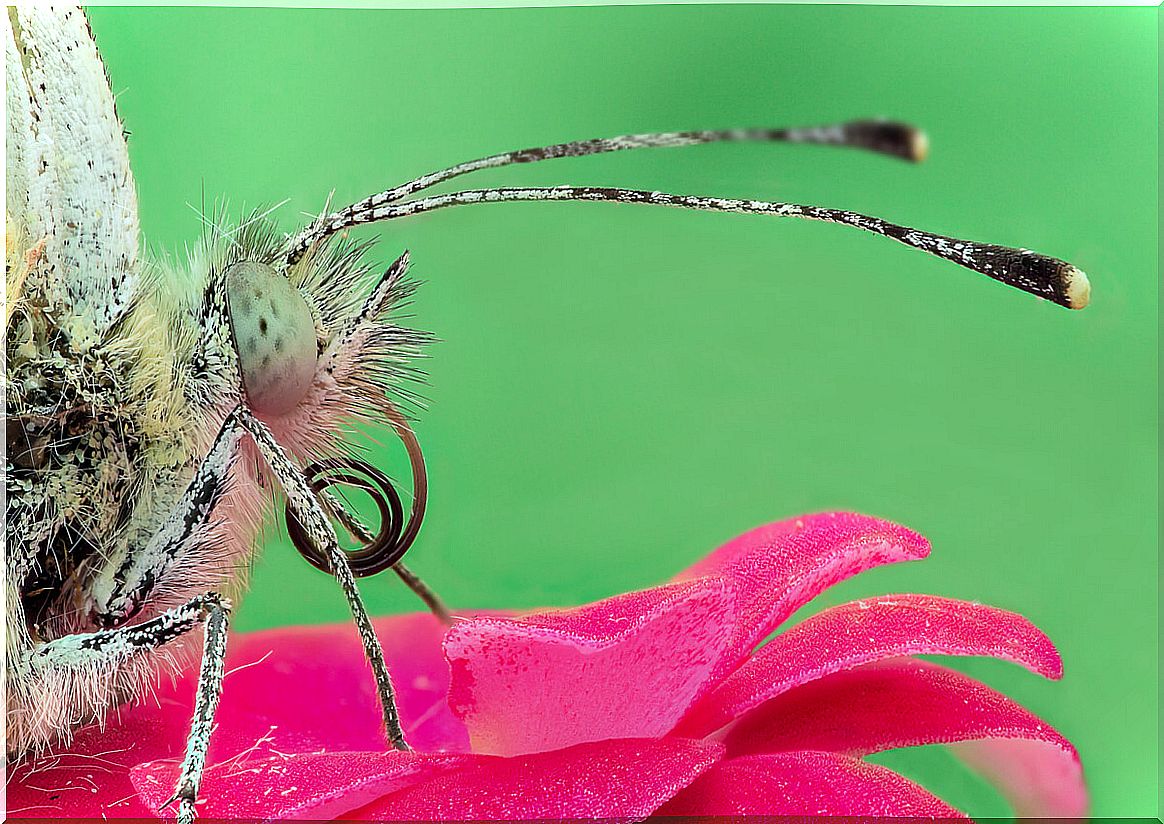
290	690
626	667
620	779
90	778
904	702
312	786
862	631
1035	785
778	568
805	783
313	686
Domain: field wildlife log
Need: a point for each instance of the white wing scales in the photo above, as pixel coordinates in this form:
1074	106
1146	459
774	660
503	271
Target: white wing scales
68	177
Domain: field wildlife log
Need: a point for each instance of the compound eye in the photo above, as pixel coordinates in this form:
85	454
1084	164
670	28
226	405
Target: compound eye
274	335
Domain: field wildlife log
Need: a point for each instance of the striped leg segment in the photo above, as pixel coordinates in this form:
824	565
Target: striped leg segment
322	534
210	676
121	589
358	530
113	646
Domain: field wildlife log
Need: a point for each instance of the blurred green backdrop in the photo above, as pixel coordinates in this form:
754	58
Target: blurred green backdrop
619	389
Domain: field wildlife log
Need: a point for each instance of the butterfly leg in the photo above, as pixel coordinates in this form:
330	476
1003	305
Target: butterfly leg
358	530
125	585
321	532
111	647
123	588
210	676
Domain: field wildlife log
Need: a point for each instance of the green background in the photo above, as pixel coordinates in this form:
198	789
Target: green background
619	389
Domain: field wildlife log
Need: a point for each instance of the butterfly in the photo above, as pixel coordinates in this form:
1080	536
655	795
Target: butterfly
153	406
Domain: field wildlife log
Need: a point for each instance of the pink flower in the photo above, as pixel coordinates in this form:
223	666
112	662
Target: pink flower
649	702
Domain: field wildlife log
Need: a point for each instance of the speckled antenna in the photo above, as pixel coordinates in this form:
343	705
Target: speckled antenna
1040	275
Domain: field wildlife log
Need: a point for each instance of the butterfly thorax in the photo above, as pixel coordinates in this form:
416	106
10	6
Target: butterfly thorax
98	441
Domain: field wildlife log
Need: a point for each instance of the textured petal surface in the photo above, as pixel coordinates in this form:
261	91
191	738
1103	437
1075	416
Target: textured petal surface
868	630
626	667
312	786
904	702
805	783
583	703
290	691
1030	776
90	778
314	688
619	779
778	568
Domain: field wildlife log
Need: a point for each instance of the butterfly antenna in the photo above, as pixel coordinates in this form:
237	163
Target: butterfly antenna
1040	275
881	136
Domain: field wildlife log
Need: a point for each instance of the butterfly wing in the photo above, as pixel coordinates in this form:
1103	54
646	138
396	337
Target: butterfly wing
68	178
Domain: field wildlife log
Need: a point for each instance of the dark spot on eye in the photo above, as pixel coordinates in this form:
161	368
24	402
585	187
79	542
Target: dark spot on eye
263	327
266	361
252	345
278	344
258	292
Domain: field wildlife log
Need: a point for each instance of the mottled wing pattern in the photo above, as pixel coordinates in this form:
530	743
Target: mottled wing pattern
68	178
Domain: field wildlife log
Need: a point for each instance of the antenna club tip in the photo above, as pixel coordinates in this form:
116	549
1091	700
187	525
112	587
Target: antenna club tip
919	145
1076	287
